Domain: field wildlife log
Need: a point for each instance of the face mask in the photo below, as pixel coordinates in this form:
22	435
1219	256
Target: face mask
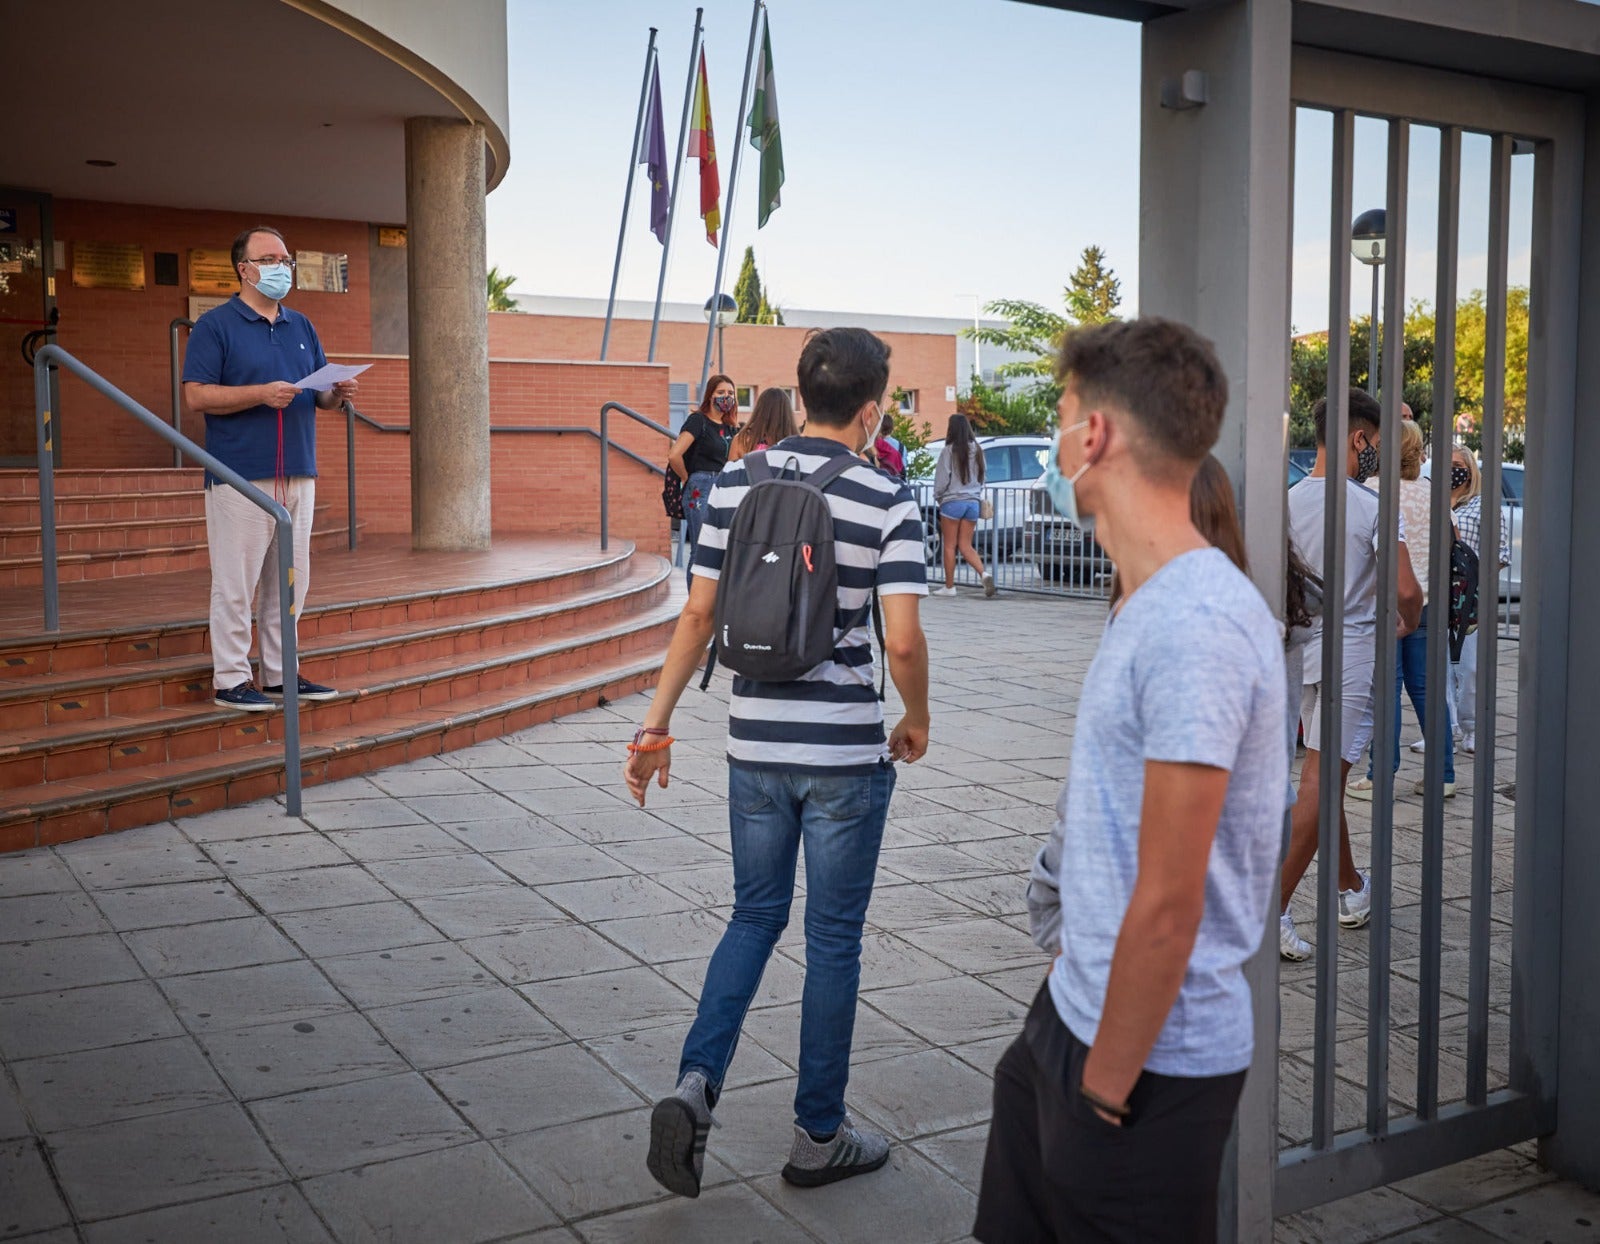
724	404
869	429
1460	477
1062	489
1366	462
275	280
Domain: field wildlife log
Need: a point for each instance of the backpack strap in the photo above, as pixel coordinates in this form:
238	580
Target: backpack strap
831	470
883	647
757	467
711	665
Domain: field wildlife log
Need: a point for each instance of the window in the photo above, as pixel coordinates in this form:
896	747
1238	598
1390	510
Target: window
999	464
1032	462
747	396
908	401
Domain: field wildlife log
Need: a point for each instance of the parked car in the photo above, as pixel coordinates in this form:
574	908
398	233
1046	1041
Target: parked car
1511	513
1011	464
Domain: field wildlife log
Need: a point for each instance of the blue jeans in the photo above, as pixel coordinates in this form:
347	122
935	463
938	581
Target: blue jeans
1411	672
840	818
696	492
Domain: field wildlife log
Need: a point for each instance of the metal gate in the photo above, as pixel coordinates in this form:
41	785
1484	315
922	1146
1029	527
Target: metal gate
1396	1084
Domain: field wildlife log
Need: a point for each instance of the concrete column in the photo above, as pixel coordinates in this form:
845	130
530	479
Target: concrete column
446	264
1215	199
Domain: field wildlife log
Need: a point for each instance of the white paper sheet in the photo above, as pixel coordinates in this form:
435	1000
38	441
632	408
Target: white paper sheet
325	377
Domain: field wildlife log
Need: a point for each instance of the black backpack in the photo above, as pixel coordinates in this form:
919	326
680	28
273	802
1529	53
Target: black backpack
1463	594
778	593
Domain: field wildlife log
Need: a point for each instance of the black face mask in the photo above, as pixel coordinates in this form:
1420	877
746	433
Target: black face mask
1366	462
1460	477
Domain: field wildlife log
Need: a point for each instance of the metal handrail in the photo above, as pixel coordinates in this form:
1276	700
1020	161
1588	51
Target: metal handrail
177	384
605	457
182	445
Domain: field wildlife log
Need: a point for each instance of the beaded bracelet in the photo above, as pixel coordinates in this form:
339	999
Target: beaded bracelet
636	746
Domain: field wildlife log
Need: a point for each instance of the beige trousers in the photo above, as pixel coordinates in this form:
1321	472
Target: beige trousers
244	557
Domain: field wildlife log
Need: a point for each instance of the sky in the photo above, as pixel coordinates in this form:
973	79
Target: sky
934	150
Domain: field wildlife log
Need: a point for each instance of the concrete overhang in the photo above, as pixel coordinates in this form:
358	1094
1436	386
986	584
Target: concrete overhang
273	107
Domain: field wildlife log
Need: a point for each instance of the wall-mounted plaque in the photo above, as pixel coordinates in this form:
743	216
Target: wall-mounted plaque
108	265
322	271
391	236
211	272
199	305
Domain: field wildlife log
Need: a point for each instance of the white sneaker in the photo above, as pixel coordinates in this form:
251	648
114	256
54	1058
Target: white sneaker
1291	945
1421	745
1422	789
1361	788
988	585
943	591
1355	906
1469	744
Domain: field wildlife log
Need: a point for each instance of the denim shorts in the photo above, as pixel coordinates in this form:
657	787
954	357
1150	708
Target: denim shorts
966	511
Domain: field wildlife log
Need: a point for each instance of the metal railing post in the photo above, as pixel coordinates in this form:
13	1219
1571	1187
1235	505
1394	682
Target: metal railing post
350	467
605	490
288	611
177	382
45	434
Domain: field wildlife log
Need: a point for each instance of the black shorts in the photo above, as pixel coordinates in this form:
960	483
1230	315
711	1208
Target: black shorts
1056	1171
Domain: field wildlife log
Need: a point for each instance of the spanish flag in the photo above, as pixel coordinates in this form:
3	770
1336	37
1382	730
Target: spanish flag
703	145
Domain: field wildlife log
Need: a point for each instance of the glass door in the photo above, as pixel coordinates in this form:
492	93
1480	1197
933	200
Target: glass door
27	314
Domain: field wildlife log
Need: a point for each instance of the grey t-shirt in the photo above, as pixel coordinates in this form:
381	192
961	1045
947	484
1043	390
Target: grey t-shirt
1190	671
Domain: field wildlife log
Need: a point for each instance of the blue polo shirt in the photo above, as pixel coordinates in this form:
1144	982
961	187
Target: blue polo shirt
234	345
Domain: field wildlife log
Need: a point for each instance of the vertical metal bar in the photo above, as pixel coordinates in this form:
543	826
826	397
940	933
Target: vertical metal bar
44	433
605	487
1374	355
677	178
177	383
288	611
350	468
1436	730
1494	383
1330	807
733	182
627	193
1384	744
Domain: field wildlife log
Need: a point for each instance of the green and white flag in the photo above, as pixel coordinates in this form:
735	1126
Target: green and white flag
763	125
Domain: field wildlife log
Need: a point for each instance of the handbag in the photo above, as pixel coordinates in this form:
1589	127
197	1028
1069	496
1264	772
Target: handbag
672	495
986	508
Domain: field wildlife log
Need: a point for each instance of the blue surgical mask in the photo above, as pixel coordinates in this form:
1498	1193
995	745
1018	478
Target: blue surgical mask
275	280
1062	489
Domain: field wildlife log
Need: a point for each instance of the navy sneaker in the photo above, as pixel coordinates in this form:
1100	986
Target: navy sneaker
244	696
308	691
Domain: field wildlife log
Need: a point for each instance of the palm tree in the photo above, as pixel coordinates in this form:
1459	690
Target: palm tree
499	298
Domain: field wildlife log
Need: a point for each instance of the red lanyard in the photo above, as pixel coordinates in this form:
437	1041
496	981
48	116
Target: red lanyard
280	480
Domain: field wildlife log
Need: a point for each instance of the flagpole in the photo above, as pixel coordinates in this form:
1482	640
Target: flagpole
627	195
677	176
733	182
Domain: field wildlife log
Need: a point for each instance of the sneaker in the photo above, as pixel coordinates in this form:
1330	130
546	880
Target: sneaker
1469	744
1422	789
679	1126
1421	745
1291	945
1361	788
244	696
943	591
1355	906
988	585
308	690
850	1151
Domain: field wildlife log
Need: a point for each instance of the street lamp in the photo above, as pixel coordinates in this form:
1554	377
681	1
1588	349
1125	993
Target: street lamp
1368	244
724	310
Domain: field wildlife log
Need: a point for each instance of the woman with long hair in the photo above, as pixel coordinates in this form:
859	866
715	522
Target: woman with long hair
771	421
701	451
958	492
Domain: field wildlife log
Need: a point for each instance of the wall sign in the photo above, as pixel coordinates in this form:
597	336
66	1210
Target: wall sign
391	236
198	306
211	272
108	265
322	271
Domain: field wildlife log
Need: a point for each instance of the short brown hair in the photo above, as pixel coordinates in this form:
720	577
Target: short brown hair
1162	373
242	243
1410	450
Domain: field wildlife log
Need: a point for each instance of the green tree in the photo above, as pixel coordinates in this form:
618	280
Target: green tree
999	410
500	298
767	313
1093	292
747	289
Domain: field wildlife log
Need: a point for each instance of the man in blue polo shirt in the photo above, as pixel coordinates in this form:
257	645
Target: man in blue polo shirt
245	359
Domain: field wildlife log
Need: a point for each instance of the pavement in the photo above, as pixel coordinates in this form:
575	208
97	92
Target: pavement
437	1007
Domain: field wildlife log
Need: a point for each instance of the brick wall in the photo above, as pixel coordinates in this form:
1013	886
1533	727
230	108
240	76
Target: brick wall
122	334
539	482
761	355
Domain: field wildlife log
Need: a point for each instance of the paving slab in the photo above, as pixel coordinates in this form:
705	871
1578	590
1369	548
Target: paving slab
440	1032
118	1082
293	1055
209	946
245	997
67	913
277	1215
31	1202
536	1089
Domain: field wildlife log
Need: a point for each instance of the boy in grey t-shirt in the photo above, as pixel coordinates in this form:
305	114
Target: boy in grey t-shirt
1112	1108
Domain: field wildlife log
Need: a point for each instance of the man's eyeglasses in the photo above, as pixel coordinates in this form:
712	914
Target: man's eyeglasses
272	259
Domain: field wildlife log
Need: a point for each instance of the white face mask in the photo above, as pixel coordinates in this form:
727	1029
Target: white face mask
869	429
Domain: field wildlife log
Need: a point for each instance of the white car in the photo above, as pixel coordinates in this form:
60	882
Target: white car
1011	464
1510	521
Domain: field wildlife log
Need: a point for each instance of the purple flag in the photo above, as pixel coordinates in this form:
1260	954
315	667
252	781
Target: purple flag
653	155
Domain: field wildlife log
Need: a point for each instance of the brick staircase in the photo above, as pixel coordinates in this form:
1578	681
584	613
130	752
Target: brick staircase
109	723
111	524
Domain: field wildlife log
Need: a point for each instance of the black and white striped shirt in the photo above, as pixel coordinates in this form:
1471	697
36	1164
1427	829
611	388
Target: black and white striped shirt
831	719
